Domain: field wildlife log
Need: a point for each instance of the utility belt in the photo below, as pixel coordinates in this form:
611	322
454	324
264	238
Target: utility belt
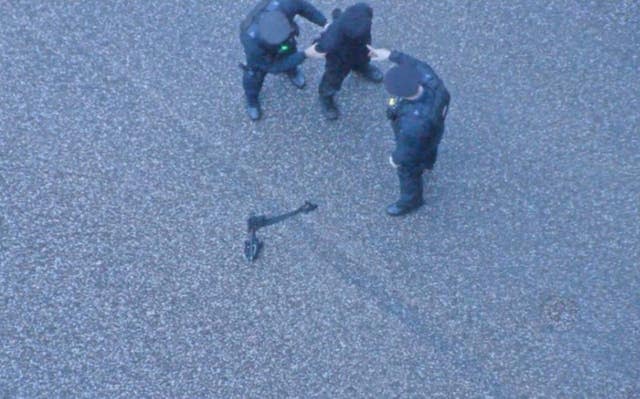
284	50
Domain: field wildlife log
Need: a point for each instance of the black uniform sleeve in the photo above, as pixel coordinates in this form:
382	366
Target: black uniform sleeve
404	59
407	151
311	13
329	40
258	58
429	75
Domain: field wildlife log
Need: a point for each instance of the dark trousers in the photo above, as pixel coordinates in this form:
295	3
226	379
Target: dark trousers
411	186
252	81
334	74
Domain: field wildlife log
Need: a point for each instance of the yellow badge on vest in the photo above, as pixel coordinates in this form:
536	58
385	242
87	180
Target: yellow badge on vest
393	101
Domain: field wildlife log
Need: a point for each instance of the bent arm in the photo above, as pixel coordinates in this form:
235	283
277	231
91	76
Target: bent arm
308	11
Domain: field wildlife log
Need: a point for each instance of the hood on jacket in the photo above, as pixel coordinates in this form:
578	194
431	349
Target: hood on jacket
356	21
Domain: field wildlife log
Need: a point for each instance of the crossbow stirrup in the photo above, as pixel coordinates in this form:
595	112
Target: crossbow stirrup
253	245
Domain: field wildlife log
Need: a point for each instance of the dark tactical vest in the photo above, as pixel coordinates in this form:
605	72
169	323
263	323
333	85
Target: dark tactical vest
253	15
250	26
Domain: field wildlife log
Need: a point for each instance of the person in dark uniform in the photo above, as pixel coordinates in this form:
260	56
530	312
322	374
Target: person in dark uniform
268	36
417	111
344	44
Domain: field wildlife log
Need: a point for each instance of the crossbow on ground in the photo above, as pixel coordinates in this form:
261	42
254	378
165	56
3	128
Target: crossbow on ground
253	245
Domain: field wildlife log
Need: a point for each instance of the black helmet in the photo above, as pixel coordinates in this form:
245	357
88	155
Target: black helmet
403	81
274	27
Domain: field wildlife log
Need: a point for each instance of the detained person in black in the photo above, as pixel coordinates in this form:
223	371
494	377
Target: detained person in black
344	44
417	112
268	36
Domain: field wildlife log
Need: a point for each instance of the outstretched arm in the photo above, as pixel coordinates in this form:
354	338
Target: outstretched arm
378	54
311	13
403	59
383	54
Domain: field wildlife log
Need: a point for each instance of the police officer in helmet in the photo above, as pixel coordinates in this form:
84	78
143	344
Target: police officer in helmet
417	111
268	36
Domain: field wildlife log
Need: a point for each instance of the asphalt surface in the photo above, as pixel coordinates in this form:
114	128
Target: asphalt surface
128	168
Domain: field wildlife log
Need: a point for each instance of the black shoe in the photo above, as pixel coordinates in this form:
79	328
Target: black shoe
373	74
329	109
397	209
254	112
297	78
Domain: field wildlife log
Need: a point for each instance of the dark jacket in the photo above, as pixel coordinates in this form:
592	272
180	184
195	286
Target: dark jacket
346	39
268	58
418	124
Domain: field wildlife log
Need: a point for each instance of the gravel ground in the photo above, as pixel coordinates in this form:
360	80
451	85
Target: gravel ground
128	168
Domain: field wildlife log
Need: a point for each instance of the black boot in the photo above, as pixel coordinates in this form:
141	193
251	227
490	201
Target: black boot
372	73
399	209
253	110
297	77
329	109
